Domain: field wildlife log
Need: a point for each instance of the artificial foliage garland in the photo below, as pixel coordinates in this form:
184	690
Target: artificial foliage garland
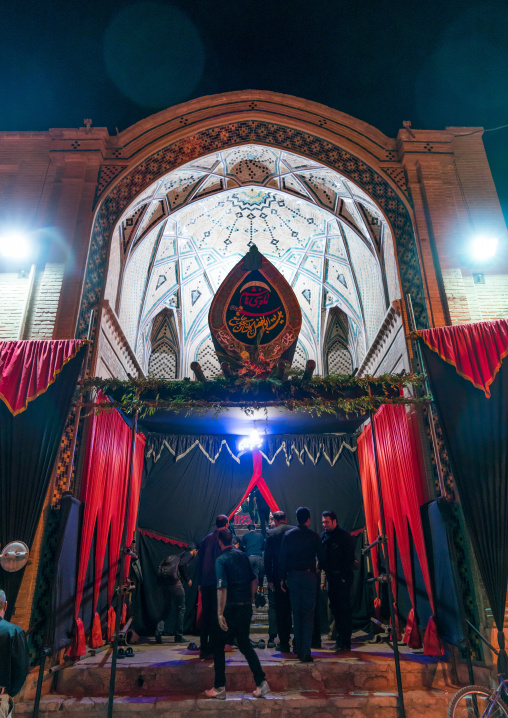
319	395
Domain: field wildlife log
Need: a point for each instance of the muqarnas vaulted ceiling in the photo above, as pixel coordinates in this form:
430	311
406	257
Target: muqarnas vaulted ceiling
175	244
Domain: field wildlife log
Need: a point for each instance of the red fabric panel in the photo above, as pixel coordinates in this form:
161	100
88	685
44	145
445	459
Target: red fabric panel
475	350
370	499
137	475
257	480
153	535
28	368
104	490
401	483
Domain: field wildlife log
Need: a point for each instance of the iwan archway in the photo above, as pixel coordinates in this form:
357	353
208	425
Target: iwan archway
177	181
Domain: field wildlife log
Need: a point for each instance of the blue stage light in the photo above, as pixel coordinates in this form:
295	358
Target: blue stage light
251	442
13	244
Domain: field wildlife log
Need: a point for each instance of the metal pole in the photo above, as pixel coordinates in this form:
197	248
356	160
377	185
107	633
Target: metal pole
433	436
400	701
120	593
45	652
79	406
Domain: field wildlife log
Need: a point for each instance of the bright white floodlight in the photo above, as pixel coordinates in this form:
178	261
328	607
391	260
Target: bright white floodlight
254	441
484	247
13	244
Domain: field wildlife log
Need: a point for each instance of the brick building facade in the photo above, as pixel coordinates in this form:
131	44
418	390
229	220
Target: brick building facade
100	209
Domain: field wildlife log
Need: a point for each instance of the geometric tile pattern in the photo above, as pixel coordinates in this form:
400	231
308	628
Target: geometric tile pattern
163	362
207	359
273	135
339	359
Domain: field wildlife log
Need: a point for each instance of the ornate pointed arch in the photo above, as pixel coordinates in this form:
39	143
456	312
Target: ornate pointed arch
151	149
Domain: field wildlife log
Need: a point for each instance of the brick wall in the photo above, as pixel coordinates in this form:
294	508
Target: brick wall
43	307
13	289
470	302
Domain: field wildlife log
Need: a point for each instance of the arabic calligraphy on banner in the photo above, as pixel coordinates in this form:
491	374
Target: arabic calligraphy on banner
255	313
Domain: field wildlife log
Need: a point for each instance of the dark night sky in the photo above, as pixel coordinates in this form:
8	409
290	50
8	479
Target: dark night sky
432	62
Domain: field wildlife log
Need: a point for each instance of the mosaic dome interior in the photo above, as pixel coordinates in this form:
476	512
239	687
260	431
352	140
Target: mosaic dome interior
177	241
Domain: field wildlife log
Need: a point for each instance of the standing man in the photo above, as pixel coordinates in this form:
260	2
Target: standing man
13	659
236	586
253	544
274	578
338	563
208	552
173	590
301	549
263	510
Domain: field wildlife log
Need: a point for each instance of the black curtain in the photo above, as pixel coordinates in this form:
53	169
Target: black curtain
151	598
28	446
63	589
319	486
476	433
436	521
180	499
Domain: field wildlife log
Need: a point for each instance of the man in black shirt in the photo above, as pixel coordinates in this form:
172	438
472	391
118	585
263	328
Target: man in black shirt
301	549
236	586
274	578
209	549
338	563
13	659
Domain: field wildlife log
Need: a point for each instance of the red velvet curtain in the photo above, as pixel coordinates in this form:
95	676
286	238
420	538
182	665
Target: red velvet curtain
475	350
104	490
401	483
28	368
257	480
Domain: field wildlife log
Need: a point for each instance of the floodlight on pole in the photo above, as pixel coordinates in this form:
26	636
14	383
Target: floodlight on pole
13	244
484	247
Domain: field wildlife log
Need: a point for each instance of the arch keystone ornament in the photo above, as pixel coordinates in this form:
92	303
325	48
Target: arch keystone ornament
255	318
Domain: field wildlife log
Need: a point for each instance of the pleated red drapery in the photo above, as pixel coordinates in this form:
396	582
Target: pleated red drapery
104	491
400	475
371	502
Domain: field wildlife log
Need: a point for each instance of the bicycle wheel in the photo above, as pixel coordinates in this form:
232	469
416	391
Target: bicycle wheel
474	702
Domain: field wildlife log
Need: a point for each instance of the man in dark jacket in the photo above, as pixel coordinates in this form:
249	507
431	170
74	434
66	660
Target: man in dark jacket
252	544
300	551
274	578
174	593
338	563
13	659
209	550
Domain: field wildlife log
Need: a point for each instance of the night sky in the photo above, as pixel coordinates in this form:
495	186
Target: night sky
434	63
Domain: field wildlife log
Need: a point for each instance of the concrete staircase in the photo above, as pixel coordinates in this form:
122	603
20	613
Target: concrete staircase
166	682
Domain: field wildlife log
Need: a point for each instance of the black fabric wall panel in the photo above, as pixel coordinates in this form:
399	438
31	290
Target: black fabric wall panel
319	486
28	446
181	499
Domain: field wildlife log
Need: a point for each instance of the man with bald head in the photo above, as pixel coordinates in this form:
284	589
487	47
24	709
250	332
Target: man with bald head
13	659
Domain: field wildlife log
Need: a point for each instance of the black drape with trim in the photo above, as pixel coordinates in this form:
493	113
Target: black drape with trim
28	446
181	499
318	486
476	433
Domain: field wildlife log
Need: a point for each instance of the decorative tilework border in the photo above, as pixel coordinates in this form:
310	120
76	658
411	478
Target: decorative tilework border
234	134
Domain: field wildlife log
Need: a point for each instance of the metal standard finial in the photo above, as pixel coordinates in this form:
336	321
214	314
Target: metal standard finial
253	259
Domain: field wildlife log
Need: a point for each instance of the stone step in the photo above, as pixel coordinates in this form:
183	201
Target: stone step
160	672
290	704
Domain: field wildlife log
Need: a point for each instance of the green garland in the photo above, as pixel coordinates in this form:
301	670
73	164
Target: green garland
320	395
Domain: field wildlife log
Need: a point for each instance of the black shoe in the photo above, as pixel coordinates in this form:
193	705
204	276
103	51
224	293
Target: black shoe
261	643
306	659
158	637
342	649
271	643
283	648
180	639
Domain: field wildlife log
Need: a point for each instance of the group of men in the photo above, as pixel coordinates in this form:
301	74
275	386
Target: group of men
298	563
